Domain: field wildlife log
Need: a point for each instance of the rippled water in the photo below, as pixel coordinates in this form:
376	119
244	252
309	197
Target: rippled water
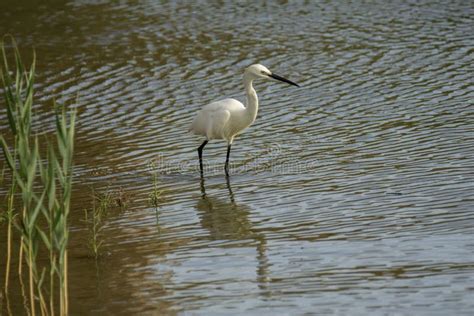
350	195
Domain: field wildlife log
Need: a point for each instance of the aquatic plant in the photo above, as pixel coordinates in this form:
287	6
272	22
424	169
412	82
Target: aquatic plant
155	194
96	216
95	219
44	187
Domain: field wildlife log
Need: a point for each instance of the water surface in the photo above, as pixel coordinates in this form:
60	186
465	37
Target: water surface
350	195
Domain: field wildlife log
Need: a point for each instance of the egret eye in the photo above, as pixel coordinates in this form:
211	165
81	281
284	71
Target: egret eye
263	72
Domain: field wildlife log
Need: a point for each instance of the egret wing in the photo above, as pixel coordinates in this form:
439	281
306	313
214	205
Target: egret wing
217	123
211	119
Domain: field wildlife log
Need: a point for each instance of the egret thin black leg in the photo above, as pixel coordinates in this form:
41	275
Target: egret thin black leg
200	155
231	194
203	188
227	161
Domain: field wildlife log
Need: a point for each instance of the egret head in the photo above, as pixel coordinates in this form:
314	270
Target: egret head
260	71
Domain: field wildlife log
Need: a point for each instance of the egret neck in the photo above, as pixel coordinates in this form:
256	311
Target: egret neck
251	106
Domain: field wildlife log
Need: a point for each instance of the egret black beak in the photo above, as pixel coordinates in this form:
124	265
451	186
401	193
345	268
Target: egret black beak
277	77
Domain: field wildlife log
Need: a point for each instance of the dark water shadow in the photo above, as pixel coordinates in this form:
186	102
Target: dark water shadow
227	219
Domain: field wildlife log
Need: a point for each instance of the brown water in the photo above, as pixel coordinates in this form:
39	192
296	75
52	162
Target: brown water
350	195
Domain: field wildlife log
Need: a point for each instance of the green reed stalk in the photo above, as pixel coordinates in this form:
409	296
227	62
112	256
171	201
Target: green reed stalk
19	98
39	195
8	216
65	141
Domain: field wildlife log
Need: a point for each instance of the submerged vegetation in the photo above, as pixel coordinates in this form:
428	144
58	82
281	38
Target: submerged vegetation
95	220
95	217
155	194
39	192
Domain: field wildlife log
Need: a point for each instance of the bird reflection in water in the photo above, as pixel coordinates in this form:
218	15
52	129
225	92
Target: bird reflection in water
228	220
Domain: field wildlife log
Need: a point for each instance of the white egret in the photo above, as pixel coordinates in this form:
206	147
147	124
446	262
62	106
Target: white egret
228	118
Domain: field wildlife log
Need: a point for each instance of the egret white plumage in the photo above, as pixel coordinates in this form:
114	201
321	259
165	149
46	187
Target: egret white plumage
228	118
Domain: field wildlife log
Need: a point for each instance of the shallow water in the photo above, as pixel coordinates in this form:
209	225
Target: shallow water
350	195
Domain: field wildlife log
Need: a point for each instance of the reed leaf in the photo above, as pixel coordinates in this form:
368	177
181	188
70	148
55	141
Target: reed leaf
7	154
52	177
